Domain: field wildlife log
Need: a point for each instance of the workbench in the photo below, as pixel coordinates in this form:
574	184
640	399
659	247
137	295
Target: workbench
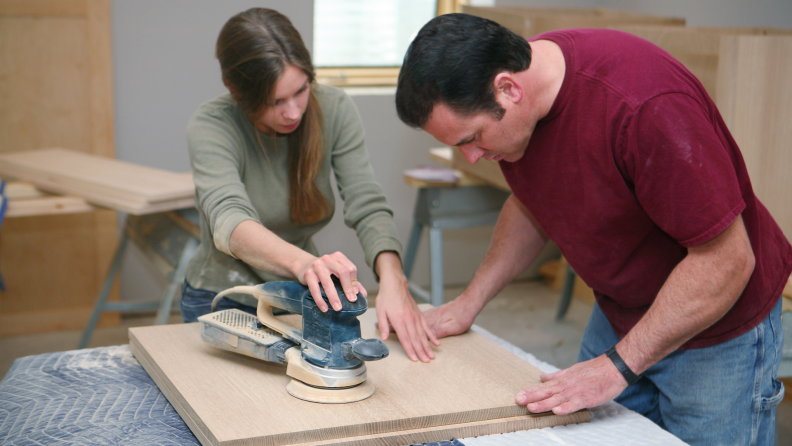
103	396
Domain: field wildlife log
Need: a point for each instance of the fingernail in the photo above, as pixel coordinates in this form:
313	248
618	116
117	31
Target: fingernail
352	297
520	399
337	307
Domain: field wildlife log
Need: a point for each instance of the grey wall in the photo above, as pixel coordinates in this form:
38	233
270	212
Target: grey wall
164	68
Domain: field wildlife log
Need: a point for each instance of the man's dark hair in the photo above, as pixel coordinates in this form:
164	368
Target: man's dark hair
454	60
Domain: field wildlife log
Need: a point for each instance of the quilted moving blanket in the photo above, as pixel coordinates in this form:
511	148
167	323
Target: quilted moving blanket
98	396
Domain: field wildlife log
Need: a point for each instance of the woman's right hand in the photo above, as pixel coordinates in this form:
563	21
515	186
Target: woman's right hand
318	270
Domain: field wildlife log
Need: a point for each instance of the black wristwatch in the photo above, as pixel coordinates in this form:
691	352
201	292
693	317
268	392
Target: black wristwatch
628	374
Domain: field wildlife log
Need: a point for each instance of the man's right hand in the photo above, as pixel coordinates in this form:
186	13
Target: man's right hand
453	318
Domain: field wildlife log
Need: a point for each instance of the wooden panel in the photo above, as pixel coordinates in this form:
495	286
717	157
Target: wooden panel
43	320
528	22
39	105
67	8
55	90
468	390
755	99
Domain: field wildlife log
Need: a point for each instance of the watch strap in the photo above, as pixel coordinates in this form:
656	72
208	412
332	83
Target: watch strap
628	374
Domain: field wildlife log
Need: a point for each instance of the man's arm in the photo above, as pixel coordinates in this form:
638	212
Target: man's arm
697	293
516	242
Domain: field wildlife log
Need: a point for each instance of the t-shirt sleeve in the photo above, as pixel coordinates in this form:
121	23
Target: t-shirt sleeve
216	157
682	174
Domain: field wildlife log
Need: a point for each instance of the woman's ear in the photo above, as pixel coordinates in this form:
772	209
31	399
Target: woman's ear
231	89
507	87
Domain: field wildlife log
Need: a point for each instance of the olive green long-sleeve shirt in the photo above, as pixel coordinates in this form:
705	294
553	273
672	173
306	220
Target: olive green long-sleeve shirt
240	176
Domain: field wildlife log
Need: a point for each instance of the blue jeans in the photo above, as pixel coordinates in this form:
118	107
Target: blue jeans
196	302
720	395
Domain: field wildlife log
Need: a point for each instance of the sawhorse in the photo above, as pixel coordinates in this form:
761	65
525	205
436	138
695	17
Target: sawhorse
169	240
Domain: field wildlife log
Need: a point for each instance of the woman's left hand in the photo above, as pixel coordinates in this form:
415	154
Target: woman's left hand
398	312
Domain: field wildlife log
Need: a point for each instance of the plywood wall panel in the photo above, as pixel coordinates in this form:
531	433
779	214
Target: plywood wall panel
43	84
755	100
55	90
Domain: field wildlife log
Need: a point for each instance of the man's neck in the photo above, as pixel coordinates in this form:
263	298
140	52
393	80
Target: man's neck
545	75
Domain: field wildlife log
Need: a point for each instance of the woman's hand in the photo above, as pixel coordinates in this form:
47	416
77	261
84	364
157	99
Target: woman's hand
318	270
398	312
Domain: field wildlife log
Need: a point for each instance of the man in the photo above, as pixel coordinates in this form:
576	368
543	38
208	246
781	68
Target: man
615	152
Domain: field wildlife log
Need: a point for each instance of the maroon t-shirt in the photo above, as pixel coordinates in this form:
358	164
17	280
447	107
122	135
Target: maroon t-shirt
632	165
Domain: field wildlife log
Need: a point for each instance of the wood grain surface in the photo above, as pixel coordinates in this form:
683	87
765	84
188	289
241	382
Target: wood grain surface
230	399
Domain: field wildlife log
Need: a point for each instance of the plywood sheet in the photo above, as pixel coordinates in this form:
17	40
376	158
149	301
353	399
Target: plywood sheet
55	90
108	182
230	399
755	100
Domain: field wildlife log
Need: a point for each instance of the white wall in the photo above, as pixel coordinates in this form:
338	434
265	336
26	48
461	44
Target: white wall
164	68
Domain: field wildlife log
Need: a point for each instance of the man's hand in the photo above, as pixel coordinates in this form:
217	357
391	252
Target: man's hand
585	384
450	319
398	312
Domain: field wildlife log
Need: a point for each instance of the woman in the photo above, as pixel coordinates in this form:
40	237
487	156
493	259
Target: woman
262	157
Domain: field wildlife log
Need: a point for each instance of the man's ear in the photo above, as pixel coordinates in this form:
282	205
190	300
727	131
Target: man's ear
231	89
507	87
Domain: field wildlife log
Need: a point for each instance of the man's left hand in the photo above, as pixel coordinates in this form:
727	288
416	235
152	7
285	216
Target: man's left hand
586	384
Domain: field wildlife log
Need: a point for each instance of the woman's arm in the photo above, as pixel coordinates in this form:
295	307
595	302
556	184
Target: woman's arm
261	248
366	211
397	310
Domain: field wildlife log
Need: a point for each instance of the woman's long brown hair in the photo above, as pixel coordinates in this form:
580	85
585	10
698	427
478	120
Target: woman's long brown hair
254	48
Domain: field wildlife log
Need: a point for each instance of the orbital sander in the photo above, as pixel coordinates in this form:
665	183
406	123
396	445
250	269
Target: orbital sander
326	360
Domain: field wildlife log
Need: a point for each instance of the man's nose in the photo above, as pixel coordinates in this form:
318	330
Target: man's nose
472	153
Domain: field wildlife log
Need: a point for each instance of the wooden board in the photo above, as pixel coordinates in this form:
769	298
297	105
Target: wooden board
108	182
230	399
55	90
755	100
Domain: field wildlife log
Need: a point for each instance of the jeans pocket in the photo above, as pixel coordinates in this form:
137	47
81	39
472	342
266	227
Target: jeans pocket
195	303
772	401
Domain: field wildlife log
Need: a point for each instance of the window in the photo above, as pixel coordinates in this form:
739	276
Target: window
362	42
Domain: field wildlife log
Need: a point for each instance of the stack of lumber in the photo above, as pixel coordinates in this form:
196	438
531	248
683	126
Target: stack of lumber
106	182
25	200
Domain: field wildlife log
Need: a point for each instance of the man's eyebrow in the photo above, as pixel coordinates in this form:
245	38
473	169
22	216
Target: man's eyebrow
465	140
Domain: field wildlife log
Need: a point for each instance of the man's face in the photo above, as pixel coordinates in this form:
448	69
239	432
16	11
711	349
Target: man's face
481	135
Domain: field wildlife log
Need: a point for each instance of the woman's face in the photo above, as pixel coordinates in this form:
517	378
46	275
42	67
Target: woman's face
290	101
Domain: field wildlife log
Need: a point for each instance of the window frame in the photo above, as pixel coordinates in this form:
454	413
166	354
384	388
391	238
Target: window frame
375	76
